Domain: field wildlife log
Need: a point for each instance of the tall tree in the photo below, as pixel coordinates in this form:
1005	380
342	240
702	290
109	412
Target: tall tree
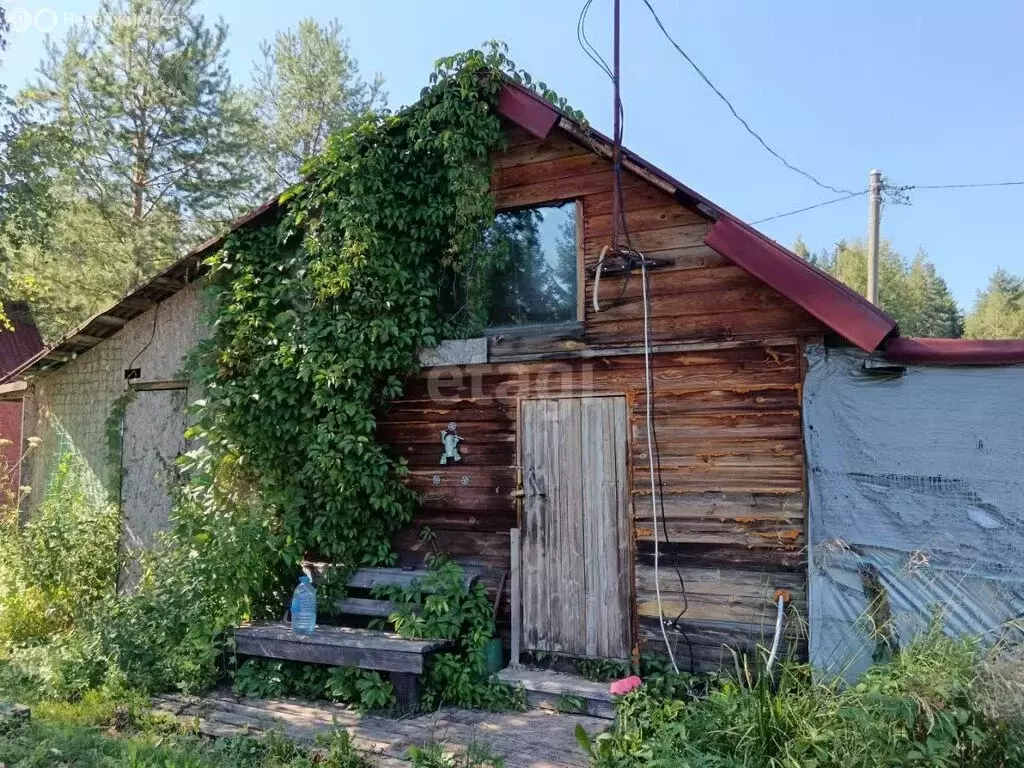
150	148
161	136
306	87
998	311
912	291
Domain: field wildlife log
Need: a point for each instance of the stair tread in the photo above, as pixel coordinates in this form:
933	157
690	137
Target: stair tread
556	683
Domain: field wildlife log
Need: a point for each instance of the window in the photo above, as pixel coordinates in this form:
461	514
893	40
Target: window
533	258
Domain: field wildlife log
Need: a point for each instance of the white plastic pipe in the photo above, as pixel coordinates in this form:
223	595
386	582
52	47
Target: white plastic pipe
778	633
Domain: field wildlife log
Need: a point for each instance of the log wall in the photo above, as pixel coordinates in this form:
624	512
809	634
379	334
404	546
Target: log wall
727	377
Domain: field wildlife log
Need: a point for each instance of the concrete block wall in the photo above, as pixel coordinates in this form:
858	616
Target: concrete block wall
73	403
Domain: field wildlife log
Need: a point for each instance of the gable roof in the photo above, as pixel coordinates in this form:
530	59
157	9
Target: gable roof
834	304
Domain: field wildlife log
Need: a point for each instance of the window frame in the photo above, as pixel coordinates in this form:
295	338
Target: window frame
545	329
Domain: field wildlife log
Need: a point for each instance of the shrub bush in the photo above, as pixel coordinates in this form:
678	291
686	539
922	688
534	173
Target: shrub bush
62	563
920	709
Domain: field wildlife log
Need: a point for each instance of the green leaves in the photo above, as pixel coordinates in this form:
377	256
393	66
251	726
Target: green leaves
303	357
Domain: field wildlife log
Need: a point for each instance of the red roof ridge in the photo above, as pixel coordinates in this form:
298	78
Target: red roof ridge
910	349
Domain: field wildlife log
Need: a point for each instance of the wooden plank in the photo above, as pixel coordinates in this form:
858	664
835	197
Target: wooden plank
108	320
568	586
510	177
364	658
13	390
605	500
367	578
672	280
727	558
671	214
718	326
634	198
516	595
158	386
535	606
621	638
362	606
727	506
339	637
559	189
581	279
554	147
746	298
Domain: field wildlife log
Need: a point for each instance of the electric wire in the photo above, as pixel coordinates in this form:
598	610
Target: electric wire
897	188
631	257
707	80
586	45
909	187
664	524
650	453
810	207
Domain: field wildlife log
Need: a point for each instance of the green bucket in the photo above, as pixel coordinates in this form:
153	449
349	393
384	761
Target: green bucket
493	656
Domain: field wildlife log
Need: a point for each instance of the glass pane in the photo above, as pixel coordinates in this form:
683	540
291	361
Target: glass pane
533	277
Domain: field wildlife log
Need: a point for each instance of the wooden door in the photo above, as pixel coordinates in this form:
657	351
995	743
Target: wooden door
575	540
152	439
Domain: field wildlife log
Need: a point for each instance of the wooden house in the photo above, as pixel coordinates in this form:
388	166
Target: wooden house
553	410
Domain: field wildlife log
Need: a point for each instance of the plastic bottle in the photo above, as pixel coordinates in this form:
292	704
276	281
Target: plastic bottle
304	607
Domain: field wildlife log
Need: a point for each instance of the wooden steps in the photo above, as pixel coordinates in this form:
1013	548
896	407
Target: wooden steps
559	692
533	739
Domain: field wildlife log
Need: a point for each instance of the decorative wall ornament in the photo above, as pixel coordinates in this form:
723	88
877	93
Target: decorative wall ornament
450	440
436	479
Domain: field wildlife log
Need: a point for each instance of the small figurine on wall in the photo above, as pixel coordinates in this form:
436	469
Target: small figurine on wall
450	441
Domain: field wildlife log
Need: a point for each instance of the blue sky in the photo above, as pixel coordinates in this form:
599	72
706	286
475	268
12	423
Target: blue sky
929	91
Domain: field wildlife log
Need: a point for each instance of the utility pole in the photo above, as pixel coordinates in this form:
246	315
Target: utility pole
616	133
874	217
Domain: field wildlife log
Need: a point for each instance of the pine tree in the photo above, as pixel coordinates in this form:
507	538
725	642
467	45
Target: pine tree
160	135
913	293
307	87
998	311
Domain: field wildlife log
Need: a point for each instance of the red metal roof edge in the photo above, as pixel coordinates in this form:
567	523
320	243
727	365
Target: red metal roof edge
908	349
847	314
843	310
521	106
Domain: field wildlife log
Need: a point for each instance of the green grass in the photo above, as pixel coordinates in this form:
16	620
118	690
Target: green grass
927	708
106	729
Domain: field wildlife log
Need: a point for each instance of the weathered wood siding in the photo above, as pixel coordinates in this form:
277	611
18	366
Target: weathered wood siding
727	376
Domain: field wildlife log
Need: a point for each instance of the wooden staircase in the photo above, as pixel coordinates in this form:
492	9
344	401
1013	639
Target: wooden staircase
559	692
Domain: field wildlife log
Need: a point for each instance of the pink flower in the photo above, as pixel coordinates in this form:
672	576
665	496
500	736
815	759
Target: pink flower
625	685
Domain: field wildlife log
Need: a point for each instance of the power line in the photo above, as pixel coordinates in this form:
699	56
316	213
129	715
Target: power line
586	45
811	207
892	189
908	187
736	114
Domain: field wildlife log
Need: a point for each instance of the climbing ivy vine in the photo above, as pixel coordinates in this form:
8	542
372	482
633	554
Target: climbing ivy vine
321	316
318	318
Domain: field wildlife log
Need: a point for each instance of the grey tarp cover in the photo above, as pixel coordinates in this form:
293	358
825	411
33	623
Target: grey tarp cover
916	484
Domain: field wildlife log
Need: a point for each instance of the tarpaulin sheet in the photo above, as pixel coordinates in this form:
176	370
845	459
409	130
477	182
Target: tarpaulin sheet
916	504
